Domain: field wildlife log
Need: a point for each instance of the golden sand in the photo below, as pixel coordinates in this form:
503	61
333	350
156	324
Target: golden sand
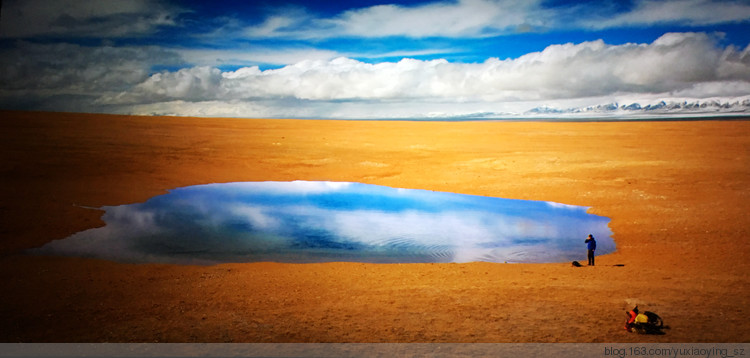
678	194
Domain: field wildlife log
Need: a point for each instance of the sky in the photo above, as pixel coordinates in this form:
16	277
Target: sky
365	59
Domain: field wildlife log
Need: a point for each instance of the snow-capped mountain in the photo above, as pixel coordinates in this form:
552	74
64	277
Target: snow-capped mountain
706	107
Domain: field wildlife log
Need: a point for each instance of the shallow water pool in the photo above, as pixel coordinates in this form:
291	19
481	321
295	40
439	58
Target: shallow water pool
304	222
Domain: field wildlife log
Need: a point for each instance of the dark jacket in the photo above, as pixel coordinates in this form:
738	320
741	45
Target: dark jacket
591	243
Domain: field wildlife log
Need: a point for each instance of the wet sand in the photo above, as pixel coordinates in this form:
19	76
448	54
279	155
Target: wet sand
678	194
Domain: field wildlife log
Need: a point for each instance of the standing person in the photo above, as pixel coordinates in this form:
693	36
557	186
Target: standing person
591	245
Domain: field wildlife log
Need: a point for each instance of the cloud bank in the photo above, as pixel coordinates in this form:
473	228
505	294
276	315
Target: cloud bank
424	60
685	65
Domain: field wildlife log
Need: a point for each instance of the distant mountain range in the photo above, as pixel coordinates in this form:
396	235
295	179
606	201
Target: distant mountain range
660	108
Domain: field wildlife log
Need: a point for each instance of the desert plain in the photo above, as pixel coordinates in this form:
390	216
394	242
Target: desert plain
677	194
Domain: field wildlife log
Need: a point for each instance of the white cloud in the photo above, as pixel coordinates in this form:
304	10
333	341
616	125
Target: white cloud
279	55
70	77
448	19
734	63
677	65
482	18
254	56
27	18
472	18
285	22
197	83
715	89
683	12
452	19
674	62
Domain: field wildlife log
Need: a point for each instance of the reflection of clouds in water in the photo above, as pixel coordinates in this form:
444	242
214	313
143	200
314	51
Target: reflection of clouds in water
132	218
565	206
111	242
257	216
287	188
450	228
320	221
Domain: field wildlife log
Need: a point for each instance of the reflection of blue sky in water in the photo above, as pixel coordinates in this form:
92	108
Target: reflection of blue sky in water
329	221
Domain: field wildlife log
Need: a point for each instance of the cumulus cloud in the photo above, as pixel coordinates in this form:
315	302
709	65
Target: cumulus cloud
26	18
72	77
674	62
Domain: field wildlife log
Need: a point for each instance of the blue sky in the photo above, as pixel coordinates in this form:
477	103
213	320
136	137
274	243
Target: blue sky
371	59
